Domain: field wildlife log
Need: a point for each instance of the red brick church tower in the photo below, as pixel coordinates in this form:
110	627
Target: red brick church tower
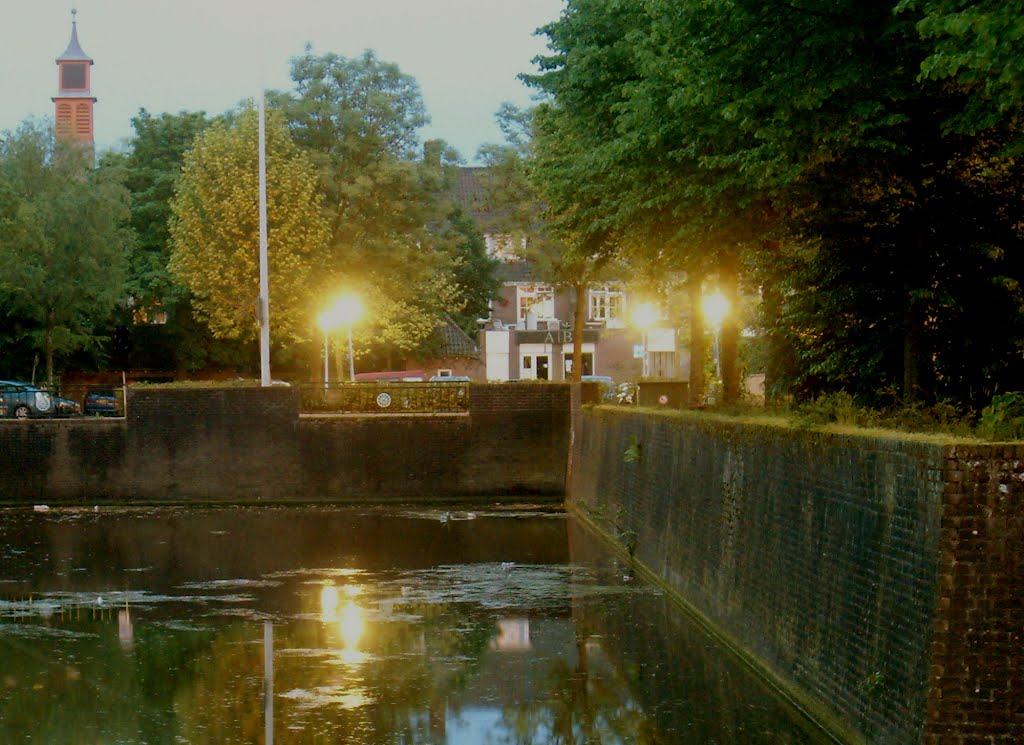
74	102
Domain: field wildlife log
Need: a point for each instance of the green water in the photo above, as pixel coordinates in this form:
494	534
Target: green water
172	625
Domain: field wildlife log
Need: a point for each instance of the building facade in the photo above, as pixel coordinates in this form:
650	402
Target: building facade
529	333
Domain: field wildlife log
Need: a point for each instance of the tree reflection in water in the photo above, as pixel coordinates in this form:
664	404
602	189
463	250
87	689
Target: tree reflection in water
465	632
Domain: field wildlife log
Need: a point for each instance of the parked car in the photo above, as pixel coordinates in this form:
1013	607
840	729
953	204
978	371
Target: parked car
24	401
449	378
606	384
100	401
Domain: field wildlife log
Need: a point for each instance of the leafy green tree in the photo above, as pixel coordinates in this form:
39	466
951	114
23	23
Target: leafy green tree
535	230
384	204
215	229
64	240
150	169
475	272
716	132
976	45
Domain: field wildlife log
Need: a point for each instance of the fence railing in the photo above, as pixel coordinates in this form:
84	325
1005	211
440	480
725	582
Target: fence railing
384	398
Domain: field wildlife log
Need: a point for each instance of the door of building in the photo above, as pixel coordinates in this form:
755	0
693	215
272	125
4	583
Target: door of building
542	367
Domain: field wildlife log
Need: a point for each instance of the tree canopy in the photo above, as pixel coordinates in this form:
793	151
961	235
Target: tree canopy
813	151
385	202
215	229
64	241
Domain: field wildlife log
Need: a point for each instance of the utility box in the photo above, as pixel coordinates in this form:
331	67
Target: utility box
672	394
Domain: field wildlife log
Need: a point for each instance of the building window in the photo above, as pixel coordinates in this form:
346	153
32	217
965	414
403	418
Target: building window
607	305
537	298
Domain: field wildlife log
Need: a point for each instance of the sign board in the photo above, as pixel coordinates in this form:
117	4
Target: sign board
555	336
638	351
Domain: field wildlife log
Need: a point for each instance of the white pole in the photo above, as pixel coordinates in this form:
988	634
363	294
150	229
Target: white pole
351	358
268	683
646	361
264	301
327	369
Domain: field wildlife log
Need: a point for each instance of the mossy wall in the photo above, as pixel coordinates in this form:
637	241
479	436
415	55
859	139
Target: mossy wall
824	557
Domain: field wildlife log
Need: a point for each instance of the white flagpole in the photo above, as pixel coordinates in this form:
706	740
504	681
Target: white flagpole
264	300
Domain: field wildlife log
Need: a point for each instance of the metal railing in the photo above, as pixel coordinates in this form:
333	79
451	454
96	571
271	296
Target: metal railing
384	398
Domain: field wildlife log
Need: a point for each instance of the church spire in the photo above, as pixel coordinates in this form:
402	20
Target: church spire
74	101
74	51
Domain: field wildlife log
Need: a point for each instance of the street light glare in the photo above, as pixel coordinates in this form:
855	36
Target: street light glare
716	307
346	310
645	315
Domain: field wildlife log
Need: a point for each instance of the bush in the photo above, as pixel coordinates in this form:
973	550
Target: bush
1003	419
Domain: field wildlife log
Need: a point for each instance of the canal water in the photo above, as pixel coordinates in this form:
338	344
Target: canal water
299	625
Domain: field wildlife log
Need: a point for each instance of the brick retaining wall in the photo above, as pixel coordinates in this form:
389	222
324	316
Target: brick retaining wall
251	445
846	566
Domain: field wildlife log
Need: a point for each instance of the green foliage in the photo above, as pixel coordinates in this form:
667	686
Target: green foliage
844	409
388	238
633	450
1003	419
215	229
976	45
150	170
475	273
799	143
64	241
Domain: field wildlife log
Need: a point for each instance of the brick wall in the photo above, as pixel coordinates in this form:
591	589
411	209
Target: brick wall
250	444
976	691
844	565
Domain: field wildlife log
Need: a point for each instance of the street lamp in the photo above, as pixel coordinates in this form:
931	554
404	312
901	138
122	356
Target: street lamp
644	316
716	307
345	311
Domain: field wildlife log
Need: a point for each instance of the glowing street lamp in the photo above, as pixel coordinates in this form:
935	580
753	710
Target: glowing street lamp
644	316
346	310
716	308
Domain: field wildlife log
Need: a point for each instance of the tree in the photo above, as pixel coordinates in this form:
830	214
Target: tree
215	229
729	129
977	46
475	275
150	169
534	230
384	204
64	240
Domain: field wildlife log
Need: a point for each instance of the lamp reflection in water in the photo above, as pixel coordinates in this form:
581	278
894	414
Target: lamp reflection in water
349	619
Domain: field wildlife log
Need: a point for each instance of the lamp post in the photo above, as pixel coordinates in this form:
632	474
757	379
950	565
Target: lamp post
644	316
345	311
715	307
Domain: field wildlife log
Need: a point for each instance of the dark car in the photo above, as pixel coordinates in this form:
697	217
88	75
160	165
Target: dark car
100	401
605	384
25	401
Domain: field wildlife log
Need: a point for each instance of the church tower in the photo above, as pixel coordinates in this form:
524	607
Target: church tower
74	102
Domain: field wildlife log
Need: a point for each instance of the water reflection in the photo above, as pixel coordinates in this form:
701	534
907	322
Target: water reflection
387	627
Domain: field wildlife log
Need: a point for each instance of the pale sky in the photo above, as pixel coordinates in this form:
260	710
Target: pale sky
173	55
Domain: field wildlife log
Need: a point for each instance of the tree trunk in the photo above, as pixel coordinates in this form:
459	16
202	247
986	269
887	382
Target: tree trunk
777	352
698	347
729	335
50	321
579	319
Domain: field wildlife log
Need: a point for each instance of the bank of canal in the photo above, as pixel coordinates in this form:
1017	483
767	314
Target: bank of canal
387	625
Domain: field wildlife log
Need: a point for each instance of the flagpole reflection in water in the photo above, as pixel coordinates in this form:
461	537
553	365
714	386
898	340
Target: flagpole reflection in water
268	682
